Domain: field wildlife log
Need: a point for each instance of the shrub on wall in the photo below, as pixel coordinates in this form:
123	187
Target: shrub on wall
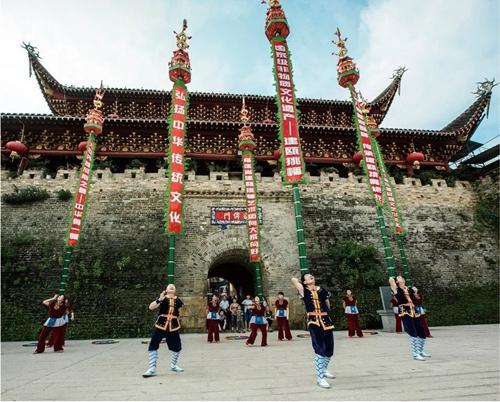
64	195
25	195
486	211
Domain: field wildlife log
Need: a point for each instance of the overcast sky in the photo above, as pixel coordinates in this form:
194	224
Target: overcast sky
447	46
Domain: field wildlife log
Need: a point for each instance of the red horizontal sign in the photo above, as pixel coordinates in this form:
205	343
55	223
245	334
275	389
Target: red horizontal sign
231	216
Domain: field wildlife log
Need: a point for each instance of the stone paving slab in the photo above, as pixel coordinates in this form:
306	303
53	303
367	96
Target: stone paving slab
464	366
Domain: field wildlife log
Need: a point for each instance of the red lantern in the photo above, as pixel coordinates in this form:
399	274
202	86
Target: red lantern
357	158
414	159
82	146
277	154
17	149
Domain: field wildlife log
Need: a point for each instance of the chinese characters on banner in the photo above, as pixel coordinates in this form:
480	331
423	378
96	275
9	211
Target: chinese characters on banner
372	170
252	222
81	195
176	160
231	215
286	99
392	204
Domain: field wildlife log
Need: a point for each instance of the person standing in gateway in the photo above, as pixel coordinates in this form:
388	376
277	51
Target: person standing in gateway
167	326
281	314
319	324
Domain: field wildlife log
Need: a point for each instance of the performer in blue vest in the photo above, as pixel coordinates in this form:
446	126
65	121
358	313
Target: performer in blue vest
409	317
167	326
319	324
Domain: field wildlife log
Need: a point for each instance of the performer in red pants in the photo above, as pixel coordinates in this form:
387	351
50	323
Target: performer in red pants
70	315
419	309
56	322
258	321
213	320
395	309
350	305
281	314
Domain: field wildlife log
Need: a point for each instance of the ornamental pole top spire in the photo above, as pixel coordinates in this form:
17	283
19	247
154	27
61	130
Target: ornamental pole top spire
244	113
347	72
340	43
94	119
179	67
182	37
276	23
246	136
99	94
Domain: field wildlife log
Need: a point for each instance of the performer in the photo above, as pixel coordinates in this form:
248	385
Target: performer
213	319
350	305
319	324
257	321
409	317
56	321
70	315
395	309
417	300
167	326
281	314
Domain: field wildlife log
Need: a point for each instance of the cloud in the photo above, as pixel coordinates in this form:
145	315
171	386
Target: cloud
447	46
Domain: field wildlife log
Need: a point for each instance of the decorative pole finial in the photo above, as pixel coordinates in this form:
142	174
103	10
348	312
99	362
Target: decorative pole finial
181	37
179	67
94	119
347	73
99	94
244	113
340	43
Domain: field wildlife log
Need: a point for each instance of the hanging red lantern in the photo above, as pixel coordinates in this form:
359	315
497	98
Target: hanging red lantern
277	154
17	149
357	158
414	158
82	146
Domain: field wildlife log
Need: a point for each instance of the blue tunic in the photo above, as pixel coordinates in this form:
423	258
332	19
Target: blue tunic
316	307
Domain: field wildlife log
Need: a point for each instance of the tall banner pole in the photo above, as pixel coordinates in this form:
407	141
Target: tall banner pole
348	76
292	163
180	74
93	128
391	204
247	146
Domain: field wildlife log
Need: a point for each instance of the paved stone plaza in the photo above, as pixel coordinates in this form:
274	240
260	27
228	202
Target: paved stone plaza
464	366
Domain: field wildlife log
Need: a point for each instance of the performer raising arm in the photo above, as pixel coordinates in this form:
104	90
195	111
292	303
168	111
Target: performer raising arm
319	324
167	326
409	316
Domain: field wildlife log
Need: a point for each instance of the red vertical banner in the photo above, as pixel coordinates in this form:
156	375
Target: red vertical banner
252	217
372	171
175	156
81	194
292	163
392	204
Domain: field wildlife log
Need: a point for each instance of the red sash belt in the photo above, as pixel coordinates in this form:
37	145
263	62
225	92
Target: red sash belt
317	314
